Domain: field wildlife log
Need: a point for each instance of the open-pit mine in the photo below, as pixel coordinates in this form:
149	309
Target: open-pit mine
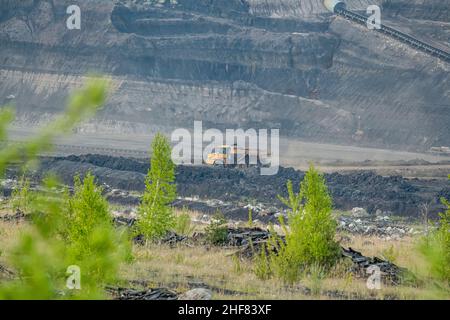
355	94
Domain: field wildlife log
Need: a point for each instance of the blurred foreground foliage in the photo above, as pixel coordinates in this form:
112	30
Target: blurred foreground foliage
82	105
68	231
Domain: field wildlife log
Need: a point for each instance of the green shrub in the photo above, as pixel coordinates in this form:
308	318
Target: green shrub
183	224
68	230
237	266
155	214
61	238
262	267
316	274
250	218
284	264
38	257
41	270
217	231
436	247
390	254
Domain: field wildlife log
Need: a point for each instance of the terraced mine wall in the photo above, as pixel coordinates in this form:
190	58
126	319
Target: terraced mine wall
258	63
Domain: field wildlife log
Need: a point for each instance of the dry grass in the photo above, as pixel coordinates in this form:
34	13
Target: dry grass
9	232
184	267
404	251
9	235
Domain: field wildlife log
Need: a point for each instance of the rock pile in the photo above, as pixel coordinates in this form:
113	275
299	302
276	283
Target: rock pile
150	294
196	294
121	221
5	272
246	236
379	226
390	273
171	238
159	294
18	216
359	212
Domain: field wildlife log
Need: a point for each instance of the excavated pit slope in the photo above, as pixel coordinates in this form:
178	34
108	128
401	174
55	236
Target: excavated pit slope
258	63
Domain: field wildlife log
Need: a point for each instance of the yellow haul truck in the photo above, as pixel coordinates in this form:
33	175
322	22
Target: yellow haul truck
227	155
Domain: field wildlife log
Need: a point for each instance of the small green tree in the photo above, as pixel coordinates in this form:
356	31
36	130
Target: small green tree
87	208
39	255
216	231
183	224
262	266
310	236
21	195
155	214
93	243
250	218
436	247
68	230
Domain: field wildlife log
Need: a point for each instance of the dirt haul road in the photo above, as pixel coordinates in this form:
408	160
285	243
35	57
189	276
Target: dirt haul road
293	153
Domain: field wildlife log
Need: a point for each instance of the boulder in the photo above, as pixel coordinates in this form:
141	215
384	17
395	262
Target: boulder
359	212
196	294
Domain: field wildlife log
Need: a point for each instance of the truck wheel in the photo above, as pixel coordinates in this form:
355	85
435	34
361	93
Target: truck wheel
219	163
258	162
